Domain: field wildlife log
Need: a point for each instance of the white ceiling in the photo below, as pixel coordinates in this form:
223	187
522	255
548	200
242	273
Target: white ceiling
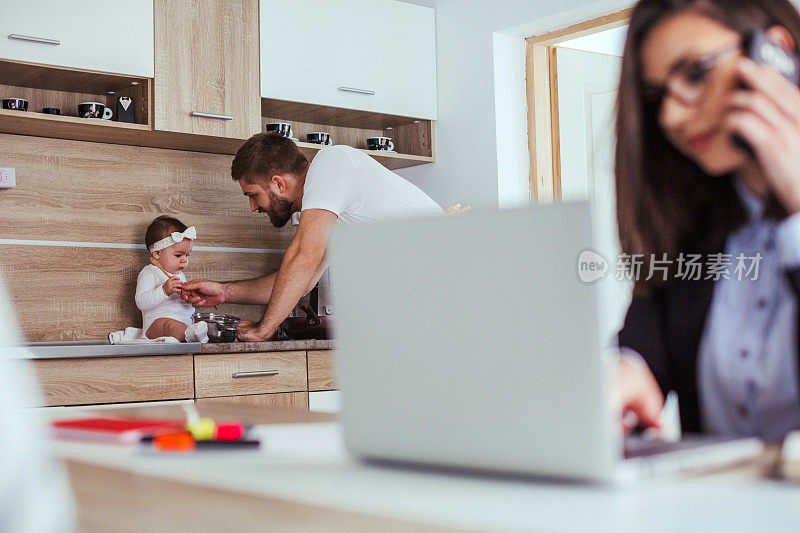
609	42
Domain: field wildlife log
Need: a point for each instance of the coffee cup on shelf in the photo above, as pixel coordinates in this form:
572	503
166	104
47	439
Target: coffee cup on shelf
281	128
51	111
319	137
94	110
18	104
380	143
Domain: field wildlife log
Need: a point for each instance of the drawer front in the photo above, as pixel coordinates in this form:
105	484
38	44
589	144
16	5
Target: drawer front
249	373
105	35
115	379
320	370
294	400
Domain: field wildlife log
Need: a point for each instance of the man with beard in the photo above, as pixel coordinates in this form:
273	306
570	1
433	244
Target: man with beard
341	183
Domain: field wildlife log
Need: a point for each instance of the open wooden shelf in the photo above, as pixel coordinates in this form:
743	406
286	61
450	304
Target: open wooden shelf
32	121
413	138
106	131
390	160
48	86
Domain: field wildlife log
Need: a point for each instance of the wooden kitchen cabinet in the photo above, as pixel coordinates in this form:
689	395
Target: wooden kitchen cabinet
207	67
320	370
294	400
114	36
249	373
95	380
370	55
276	378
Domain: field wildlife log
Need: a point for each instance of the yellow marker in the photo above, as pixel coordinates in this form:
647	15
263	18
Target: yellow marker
202	429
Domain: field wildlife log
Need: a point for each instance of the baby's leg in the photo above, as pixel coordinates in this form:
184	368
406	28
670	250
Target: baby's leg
167	327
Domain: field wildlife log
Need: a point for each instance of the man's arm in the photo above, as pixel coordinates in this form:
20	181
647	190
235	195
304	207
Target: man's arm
300	267
250	291
206	293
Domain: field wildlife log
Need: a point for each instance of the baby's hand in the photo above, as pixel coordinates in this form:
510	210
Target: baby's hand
172	285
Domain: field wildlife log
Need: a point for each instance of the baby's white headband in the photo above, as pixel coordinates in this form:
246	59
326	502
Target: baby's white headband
174	238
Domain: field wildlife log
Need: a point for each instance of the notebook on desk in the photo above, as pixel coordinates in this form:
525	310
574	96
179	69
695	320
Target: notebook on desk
471	342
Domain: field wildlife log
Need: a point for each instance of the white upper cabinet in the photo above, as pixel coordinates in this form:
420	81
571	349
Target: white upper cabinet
371	55
104	35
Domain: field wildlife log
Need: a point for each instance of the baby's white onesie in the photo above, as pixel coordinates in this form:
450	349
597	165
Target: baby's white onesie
154	304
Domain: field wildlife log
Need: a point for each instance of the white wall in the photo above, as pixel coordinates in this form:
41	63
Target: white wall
481	134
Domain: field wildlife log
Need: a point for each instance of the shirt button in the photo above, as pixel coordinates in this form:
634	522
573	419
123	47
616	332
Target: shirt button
762	303
744	354
769	245
742	410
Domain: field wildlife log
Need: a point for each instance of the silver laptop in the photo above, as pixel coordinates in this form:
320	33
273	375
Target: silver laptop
470	342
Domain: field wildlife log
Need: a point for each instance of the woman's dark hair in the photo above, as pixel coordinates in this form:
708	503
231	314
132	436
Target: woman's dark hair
161	228
666	204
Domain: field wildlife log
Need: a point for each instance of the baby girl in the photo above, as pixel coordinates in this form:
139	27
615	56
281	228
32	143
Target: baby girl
164	313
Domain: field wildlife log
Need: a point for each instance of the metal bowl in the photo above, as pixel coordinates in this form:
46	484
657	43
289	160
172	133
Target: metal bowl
221	328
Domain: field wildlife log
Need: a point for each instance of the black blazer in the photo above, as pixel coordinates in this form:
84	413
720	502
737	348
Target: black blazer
666	326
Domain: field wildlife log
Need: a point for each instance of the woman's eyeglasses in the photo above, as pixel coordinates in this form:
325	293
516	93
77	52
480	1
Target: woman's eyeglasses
687	79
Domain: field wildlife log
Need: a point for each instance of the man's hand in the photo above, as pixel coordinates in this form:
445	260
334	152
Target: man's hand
251	332
638	391
172	285
203	293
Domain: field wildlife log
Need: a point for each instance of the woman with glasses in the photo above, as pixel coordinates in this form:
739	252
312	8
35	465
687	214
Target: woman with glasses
708	166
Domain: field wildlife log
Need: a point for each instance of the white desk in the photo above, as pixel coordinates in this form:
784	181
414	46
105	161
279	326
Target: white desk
319	487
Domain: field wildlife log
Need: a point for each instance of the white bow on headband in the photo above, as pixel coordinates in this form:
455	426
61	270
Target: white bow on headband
174	238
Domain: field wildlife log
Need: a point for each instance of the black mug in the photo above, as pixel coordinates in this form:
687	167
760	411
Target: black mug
380	143
281	128
51	111
319	137
19	104
94	110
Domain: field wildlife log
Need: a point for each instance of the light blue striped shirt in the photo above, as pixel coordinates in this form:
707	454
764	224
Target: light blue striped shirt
747	364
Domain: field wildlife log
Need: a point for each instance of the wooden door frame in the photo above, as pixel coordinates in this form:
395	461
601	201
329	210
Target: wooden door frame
542	95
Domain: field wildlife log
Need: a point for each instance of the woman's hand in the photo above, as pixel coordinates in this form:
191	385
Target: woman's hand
251	332
637	391
172	285
767	116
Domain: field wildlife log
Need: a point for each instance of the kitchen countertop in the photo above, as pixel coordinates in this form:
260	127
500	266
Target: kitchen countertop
267	346
102	348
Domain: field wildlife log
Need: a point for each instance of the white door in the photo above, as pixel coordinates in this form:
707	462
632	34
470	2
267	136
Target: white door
372	55
105	35
587	92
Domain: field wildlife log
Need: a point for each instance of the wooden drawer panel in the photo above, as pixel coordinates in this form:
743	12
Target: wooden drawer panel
115	379
320	370
298	400
213	373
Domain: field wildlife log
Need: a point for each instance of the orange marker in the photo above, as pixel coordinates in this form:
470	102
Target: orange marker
174	442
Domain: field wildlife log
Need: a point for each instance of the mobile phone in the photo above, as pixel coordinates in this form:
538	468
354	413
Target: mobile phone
758	47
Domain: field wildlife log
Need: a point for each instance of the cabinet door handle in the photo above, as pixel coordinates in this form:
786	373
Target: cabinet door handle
354	90
255	374
209	115
32	39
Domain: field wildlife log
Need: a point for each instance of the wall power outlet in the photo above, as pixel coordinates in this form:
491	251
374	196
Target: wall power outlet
8	177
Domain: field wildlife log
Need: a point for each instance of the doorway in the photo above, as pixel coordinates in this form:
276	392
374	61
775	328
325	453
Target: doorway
573	79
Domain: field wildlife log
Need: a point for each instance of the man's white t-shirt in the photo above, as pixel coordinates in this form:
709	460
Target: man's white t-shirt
355	187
